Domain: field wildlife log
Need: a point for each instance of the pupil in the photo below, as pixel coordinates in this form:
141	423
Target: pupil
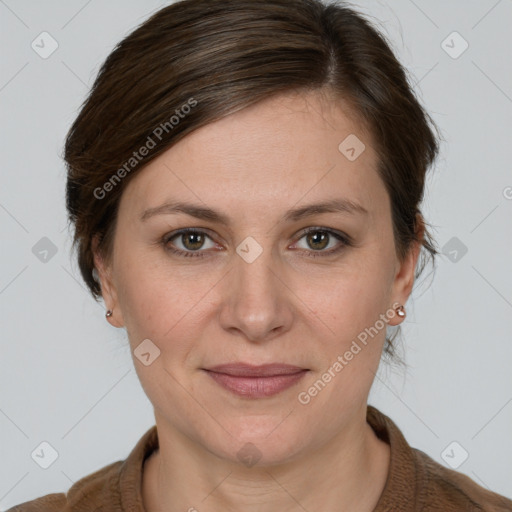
192	245
322	237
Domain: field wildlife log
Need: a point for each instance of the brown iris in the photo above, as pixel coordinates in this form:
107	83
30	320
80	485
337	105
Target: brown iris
196	240
318	237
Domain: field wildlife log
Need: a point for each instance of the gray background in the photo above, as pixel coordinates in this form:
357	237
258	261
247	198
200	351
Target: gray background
66	375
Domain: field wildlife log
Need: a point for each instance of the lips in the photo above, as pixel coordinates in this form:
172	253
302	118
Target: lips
256	381
247	370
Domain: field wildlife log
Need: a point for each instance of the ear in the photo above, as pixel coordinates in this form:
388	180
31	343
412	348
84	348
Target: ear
108	289
404	278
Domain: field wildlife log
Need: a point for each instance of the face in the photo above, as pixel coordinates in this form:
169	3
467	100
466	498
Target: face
252	275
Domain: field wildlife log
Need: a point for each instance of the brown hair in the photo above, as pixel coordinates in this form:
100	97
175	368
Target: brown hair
217	57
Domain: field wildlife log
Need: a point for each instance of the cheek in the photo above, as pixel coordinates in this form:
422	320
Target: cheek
353	310
162	301
349	299
144	296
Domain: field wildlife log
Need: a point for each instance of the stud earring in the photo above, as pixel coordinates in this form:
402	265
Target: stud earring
108	313
400	311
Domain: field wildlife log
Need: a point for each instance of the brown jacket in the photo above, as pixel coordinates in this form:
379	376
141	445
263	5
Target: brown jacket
415	482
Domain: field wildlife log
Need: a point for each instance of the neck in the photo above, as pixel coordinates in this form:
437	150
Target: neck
345	474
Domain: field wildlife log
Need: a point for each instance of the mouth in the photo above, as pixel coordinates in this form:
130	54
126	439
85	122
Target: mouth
251	381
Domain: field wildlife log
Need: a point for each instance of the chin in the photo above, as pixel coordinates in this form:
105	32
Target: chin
262	440
259	453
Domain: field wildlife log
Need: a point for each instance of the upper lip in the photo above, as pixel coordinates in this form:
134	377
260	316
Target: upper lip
248	370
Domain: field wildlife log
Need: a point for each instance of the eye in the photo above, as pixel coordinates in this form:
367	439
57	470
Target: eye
317	239
192	240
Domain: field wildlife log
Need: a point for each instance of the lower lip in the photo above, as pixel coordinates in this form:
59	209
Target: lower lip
256	387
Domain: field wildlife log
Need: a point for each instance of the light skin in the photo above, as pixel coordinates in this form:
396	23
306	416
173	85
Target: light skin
285	306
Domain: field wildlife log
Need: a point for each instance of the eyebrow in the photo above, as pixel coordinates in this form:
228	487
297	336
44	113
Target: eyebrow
341	205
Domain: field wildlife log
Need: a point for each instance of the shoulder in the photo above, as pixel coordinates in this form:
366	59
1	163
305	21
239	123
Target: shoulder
90	494
49	503
448	490
417	482
113	488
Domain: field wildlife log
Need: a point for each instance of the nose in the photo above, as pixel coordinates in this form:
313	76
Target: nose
257	303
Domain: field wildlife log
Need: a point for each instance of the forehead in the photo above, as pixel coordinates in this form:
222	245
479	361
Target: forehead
282	150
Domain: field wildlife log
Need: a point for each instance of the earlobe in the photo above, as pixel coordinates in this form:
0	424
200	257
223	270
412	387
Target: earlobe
405	277
103	273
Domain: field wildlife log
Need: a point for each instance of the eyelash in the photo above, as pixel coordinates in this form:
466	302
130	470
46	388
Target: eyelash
344	239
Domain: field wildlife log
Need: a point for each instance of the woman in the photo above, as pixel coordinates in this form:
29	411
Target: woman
244	181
